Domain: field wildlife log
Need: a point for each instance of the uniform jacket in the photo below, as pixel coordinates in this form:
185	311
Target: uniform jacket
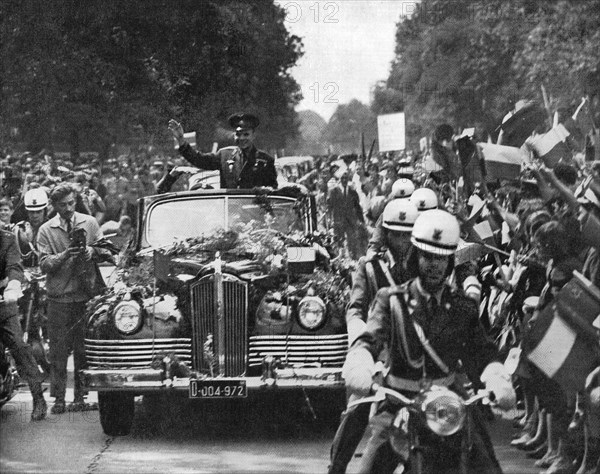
75	279
344	208
10	258
238	169
372	274
453	330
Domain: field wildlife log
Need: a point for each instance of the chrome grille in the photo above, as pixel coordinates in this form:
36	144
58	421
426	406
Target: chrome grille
204	322
135	352
328	351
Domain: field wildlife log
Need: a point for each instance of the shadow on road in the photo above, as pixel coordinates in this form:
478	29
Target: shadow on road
270	416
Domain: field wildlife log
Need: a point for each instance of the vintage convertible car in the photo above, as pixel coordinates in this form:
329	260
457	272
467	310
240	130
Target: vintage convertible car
225	294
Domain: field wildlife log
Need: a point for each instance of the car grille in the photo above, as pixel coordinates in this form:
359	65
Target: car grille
134	353
204	323
327	351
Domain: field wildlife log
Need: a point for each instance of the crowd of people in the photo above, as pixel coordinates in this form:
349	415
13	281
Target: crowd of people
413	231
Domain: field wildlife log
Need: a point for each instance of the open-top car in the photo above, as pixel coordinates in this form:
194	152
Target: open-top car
224	293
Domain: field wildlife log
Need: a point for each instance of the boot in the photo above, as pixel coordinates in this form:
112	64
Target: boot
578	414
528	431
562	464
591	454
59	406
552	442
40	409
540	436
538	453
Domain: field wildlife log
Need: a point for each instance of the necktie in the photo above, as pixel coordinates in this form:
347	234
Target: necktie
433	306
69	227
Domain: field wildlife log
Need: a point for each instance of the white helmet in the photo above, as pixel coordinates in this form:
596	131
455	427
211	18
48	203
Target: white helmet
399	215
437	232
425	199
36	199
402	188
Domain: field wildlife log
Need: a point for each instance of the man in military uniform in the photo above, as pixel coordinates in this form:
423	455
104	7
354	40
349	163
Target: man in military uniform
242	166
11	276
386	268
429	329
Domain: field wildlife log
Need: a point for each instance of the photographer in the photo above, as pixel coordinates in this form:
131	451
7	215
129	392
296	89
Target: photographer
72	279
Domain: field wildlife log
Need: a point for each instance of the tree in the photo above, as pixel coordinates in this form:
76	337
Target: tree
467	63
96	73
347	124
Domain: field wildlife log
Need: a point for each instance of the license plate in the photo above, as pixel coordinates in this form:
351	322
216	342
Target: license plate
218	389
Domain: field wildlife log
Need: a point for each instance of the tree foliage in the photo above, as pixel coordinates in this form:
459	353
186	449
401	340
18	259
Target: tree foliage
346	126
467	63
96	73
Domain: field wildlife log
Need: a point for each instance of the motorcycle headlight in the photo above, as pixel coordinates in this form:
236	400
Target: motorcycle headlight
444	411
128	316
311	312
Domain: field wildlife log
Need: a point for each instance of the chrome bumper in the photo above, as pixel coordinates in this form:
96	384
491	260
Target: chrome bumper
150	380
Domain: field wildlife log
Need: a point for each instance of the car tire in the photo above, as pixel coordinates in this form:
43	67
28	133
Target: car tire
116	413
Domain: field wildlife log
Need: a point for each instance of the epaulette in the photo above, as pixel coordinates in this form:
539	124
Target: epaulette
371	257
264	155
398	289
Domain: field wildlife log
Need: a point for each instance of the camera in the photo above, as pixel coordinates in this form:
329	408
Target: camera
77	237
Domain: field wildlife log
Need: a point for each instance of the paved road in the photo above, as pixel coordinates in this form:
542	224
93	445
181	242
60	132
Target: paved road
185	439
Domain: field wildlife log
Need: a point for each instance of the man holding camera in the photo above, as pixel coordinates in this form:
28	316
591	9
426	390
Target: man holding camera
72	279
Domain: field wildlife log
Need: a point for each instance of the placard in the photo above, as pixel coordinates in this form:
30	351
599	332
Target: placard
391	132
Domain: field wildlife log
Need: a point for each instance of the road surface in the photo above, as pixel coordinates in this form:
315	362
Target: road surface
184	439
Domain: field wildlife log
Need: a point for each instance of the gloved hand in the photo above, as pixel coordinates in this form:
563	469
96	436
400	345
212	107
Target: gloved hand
497	380
356	327
358	371
472	288
12	292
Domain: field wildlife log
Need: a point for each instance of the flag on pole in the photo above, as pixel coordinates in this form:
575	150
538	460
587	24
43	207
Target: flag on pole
562	342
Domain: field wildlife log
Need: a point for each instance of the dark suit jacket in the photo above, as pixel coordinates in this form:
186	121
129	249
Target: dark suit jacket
344	209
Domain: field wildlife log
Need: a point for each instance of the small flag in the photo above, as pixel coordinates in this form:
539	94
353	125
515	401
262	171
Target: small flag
551	147
161	266
502	162
301	259
562	342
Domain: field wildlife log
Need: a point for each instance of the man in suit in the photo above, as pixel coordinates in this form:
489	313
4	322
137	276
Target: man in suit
242	166
343	206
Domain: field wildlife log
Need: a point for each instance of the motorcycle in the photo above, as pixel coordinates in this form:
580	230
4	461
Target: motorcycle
432	429
9	377
33	310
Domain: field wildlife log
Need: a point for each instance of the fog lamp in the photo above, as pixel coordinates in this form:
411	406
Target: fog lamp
444	411
311	312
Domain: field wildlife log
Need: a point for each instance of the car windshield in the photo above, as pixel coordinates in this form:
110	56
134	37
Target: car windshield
190	217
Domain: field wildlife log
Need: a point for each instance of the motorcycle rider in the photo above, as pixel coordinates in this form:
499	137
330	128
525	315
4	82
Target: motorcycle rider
36	204
379	270
429	329
11	274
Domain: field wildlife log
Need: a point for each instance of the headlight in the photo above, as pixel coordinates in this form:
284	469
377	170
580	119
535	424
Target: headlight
128	316
444	411
311	312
